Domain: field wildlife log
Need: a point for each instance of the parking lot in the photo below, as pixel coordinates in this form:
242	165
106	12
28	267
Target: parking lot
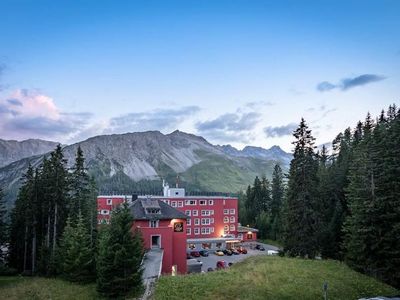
211	260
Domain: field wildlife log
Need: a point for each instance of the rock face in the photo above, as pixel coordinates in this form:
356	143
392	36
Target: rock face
11	151
120	162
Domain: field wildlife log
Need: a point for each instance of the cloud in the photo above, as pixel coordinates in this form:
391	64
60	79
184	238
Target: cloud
230	127
278	131
14	102
159	119
325	86
32	114
257	104
349	83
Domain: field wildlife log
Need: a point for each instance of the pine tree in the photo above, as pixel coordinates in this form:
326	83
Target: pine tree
277	194
300	217
3	226
77	255
120	255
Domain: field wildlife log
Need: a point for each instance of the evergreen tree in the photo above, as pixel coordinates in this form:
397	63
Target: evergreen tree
3	226
301	219
277	194
120	255
77	259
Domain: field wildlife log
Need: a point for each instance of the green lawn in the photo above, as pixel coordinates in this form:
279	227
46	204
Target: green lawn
266	277
17	288
271	242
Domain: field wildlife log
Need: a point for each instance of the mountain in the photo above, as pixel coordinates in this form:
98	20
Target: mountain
273	153
138	161
11	151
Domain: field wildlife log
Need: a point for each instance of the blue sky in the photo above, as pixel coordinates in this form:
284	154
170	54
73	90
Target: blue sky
238	72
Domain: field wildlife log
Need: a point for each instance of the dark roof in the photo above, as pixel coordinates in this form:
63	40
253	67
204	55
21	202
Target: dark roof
138	209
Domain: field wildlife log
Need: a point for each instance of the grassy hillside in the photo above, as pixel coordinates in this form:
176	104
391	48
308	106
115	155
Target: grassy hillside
16	288
275	278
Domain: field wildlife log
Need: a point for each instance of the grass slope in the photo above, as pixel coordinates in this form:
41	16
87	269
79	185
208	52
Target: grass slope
277	278
17	287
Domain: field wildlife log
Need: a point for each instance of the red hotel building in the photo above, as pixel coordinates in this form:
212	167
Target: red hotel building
207	222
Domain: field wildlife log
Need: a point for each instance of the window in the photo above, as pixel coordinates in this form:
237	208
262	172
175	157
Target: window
212	212
180	203
205	221
191	246
232	228
212	220
218	245
211	229
153	210
197	221
173	203
226	228
203	202
232	219
196	231
109	201
205	212
187	212
205	230
166	201
190	202
226	211
232	211
188	231
210	202
105	212
188	222
226	219
195	213
153	223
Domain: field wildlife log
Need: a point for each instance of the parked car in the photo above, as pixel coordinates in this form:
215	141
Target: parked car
195	253
243	250
227	252
235	252
194	266
188	256
203	252
221	264
260	247
219	253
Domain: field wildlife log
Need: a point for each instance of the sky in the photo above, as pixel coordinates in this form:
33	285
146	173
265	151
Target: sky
235	72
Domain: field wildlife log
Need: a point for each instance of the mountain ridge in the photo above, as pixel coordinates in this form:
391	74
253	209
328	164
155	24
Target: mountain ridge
138	161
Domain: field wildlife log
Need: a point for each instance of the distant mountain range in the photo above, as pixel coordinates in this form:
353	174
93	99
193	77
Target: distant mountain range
123	163
11	151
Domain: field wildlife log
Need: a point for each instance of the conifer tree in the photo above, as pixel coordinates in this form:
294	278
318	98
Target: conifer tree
120	255
277	194
300	216
77	255
3	225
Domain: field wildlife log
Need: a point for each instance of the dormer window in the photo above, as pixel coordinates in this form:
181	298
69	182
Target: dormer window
153	210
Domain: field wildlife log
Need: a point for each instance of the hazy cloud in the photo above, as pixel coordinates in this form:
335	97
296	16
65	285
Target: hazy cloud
278	131
14	102
159	119
325	86
32	114
348	83
256	104
230	127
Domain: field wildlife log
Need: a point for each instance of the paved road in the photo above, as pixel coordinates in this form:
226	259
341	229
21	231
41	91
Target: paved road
151	270
211	260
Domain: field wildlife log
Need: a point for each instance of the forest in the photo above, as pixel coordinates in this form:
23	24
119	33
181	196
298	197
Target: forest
343	205
53	231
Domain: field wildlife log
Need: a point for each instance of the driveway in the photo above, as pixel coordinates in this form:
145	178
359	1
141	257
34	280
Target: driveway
211	260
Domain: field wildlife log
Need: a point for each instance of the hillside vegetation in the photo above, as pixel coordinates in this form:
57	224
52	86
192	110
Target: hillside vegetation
275	278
